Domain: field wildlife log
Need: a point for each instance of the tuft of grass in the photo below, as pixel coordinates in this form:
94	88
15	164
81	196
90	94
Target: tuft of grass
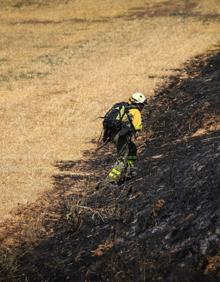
49	60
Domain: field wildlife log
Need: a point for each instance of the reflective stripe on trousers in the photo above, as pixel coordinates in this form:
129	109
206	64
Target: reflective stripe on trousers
116	172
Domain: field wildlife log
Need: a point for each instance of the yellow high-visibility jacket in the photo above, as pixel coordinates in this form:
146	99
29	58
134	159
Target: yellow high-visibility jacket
134	119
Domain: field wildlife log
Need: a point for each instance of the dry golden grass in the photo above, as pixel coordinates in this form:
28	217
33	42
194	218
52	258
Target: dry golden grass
62	67
208	7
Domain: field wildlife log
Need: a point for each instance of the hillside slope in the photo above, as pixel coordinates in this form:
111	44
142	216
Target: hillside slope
54	60
162	226
56	57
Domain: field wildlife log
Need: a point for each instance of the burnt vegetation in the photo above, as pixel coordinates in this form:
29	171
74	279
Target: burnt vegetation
162	226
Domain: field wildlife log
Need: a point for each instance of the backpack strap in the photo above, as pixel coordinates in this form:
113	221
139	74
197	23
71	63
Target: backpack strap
130	106
122	111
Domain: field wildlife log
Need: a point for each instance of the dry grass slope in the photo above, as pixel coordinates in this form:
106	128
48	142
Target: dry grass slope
54	59
61	65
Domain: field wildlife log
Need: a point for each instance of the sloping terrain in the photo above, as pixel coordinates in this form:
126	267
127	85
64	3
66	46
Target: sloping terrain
63	63
62	66
162	226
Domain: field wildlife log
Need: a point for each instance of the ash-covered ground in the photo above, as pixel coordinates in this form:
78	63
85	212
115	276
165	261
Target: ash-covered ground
162	226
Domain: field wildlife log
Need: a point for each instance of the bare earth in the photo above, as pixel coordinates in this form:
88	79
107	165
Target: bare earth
62	66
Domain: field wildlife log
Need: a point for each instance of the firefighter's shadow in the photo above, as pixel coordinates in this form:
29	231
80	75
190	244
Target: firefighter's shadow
91	168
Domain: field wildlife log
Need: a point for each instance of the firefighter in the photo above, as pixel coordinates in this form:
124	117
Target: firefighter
131	124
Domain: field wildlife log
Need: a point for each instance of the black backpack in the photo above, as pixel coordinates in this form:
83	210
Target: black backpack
112	121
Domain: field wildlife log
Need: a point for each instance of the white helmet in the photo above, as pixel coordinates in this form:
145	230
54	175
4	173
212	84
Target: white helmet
138	98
